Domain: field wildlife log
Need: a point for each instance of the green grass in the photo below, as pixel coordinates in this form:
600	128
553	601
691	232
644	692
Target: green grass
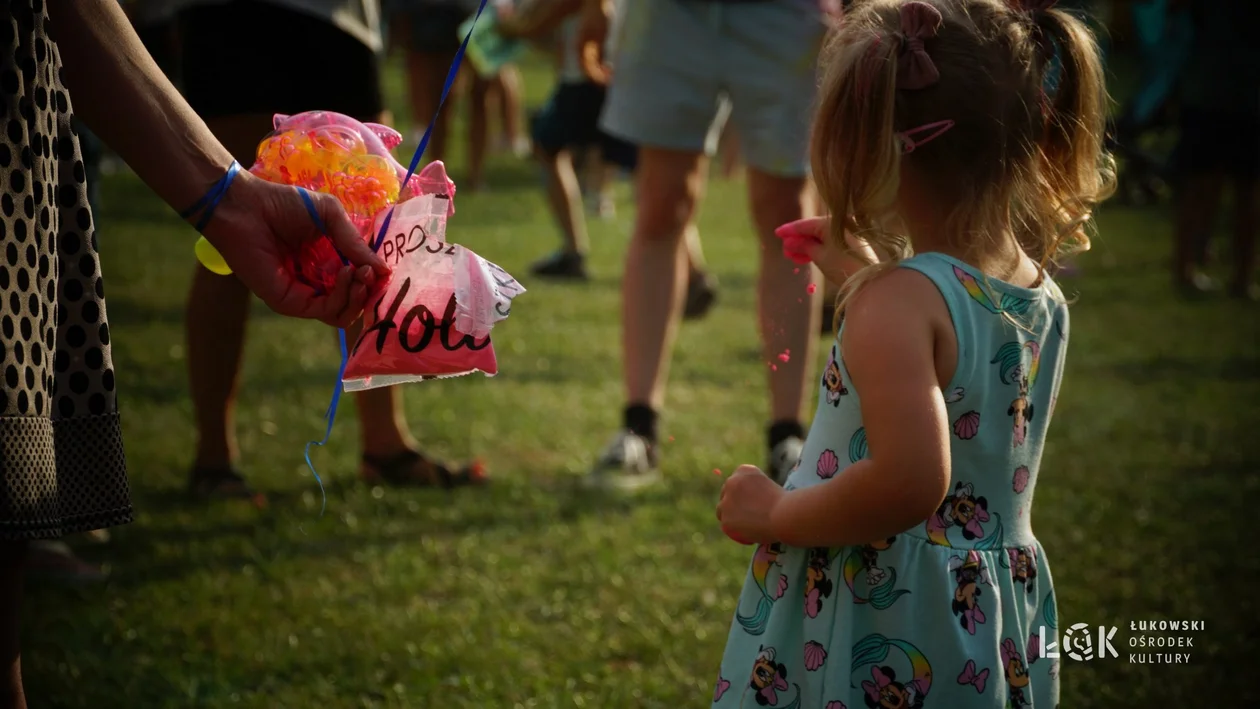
530	594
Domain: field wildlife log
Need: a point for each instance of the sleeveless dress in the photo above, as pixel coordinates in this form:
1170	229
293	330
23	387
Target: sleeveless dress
949	613
62	468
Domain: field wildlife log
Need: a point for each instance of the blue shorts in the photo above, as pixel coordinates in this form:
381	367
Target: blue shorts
681	67
570	119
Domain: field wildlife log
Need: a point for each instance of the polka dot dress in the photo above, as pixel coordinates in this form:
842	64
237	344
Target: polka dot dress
61	455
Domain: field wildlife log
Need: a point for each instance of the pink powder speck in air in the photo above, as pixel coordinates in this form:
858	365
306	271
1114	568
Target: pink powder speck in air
774	368
795	271
811	288
784	357
671	439
717	472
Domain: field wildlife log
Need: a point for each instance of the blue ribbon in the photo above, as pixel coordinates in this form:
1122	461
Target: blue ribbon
424	140
331	415
210	200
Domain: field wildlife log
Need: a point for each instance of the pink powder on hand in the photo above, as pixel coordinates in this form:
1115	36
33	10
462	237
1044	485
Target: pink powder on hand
811	288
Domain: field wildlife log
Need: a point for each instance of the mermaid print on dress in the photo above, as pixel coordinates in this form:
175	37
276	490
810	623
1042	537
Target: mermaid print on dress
1019	364
968	588
882	589
765	558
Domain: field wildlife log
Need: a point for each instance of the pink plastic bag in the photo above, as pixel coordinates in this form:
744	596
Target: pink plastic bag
433	318
328	152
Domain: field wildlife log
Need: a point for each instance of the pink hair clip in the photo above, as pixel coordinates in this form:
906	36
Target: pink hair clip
909	143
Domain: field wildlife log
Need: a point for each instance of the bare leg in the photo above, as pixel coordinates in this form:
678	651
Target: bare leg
788	313
218	310
695	252
670	185
383	430
1198	203
598	177
12	576
1246	221
509	87
565	198
426	75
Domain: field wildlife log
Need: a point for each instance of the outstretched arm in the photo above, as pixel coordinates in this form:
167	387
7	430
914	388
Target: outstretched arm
118	90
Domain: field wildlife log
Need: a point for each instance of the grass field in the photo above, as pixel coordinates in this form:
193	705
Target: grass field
530	594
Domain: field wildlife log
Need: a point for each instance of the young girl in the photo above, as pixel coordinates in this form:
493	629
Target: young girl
897	567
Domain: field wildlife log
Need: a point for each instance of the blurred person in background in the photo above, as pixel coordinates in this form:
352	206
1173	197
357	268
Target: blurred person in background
329	60
567	126
1164	32
568	141
428	32
679	67
1220	143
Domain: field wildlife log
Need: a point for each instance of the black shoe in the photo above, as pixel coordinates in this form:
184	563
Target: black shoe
701	295
564	264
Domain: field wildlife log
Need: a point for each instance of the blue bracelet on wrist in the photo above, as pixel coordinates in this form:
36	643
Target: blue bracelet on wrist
210	201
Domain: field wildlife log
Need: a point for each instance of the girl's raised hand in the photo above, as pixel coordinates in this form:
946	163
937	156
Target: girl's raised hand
810	241
745	506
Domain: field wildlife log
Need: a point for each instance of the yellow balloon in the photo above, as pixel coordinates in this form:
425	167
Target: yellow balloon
211	258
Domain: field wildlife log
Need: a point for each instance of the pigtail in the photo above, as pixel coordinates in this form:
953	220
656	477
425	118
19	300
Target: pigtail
1075	171
857	168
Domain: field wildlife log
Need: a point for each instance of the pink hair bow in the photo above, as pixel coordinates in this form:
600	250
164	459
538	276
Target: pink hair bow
915	69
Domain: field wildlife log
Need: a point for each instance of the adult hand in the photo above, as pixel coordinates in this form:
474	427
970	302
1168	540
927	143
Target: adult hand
259	226
810	240
592	38
746	505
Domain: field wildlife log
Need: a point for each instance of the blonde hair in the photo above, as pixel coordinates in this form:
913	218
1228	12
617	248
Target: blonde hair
1014	155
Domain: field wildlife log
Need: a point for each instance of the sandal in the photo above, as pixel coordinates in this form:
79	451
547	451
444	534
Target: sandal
223	484
410	468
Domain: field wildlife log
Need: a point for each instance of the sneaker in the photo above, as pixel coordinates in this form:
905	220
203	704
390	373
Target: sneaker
562	264
784	459
628	463
701	295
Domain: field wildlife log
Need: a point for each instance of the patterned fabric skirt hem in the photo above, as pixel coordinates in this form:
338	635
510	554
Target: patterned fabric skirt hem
61	476
68	525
